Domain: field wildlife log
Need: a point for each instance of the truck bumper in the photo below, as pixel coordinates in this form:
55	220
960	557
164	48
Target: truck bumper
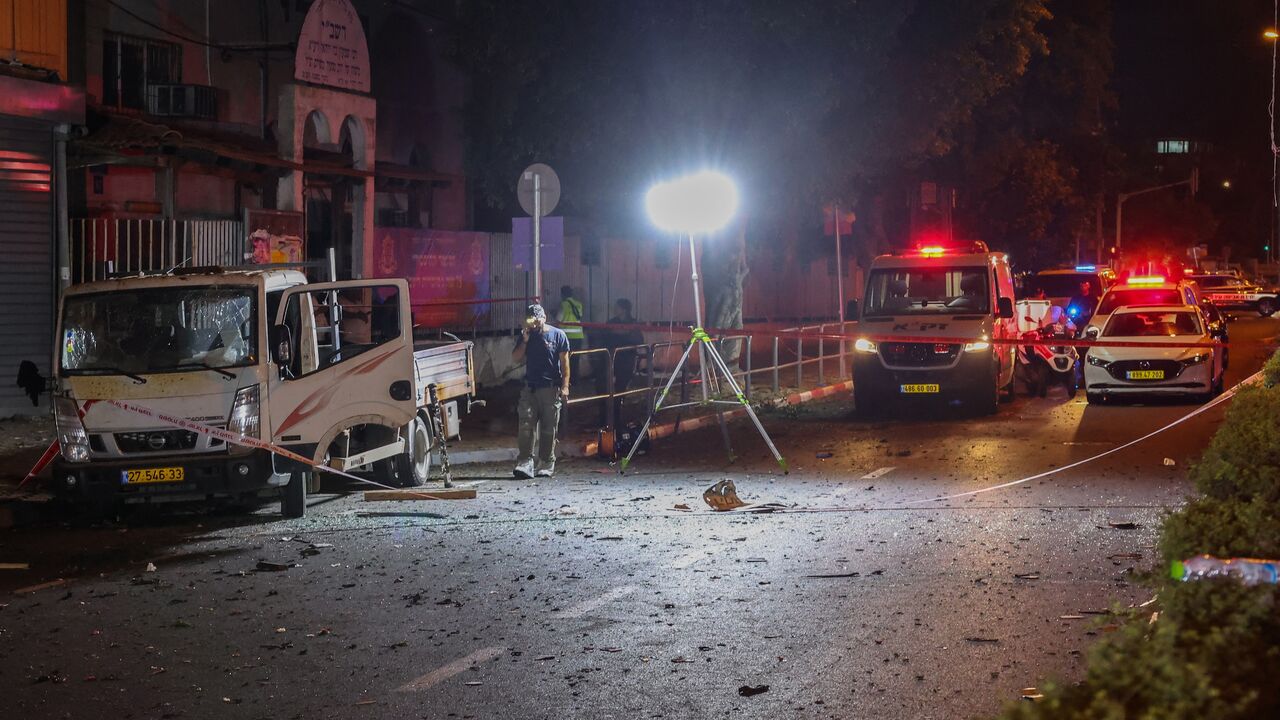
206	477
968	378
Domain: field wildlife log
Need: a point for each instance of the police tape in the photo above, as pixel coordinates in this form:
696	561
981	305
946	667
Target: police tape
250	442
924	340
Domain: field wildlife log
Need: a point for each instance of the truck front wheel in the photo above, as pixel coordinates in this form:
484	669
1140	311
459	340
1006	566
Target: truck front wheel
411	468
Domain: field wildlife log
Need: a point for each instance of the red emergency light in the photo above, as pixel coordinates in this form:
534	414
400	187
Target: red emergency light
1146	280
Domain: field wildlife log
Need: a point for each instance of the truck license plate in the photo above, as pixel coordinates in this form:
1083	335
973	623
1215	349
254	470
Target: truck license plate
1145	374
152	475
917	388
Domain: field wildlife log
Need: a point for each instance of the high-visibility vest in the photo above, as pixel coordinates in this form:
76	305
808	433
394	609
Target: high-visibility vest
571	312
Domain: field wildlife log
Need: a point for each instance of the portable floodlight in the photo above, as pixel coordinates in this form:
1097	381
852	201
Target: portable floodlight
693	205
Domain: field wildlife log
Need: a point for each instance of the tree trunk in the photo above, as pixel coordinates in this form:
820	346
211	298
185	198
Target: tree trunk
724	267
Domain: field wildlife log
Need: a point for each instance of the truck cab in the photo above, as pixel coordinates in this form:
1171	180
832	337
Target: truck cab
180	387
928	322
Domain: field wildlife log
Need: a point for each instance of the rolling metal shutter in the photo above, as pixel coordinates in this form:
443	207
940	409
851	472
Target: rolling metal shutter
26	256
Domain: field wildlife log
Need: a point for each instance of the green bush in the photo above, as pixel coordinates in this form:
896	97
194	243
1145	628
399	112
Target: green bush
1213	650
1242	461
1271	371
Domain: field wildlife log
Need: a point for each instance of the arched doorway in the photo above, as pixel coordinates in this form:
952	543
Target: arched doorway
328	196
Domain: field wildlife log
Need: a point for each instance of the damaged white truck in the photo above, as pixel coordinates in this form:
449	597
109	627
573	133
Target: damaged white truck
328	371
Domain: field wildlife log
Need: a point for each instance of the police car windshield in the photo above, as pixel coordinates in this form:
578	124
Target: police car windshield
1157	323
1116	299
928	291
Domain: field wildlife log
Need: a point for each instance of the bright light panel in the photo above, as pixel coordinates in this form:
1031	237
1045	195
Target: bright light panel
695	204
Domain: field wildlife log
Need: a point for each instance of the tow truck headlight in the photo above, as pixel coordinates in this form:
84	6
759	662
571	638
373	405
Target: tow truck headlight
72	439
977	346
245	412
864	345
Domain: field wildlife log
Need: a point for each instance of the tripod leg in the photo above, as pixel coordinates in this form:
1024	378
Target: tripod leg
657	405
704	349
737	391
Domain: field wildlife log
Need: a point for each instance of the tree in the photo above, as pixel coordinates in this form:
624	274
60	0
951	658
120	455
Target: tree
800	101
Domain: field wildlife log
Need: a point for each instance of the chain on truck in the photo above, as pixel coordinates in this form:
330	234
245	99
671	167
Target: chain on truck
329	371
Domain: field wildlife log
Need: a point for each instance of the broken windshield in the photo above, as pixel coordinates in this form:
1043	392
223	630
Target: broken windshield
158	330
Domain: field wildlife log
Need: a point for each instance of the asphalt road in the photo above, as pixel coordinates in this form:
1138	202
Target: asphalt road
592	596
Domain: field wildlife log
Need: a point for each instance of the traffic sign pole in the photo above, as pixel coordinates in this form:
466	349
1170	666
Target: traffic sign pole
537	237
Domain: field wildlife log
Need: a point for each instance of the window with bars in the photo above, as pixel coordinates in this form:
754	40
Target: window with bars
130	64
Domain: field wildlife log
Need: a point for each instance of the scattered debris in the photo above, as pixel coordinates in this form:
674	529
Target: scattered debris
1070	617
723	496
473	683
1129	556
544	657
750	690
757	560
565	510
1027	576
823	455
267	566
433	494
836	575
14	566
1032	694
681	506
642	499
681	660
151	567
982	640
1123	525
38	587
1170	462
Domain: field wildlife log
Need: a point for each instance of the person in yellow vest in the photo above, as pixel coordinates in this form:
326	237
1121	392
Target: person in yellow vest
571	313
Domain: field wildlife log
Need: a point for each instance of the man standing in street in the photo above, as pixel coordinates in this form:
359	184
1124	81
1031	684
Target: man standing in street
1081	306
544	350
570	315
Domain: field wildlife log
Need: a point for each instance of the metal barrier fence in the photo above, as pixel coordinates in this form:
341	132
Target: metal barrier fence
646	355
103	246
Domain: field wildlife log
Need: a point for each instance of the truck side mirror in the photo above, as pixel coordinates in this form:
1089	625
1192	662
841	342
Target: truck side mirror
1004	306
283	337
851	309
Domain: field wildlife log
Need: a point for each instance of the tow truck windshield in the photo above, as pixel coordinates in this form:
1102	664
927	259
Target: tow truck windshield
928	291
129	332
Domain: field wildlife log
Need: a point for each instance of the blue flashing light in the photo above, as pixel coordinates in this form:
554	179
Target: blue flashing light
1074	311
1086	268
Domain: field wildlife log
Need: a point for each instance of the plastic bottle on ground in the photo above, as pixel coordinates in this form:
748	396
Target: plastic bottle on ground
1247	570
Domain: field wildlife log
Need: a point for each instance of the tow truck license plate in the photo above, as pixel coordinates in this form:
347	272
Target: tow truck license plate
152	475
920	388
1145	375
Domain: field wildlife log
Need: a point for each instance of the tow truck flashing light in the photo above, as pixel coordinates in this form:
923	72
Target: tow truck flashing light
1086	268
933	251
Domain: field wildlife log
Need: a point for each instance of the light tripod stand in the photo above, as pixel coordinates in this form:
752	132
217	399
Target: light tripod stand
706	351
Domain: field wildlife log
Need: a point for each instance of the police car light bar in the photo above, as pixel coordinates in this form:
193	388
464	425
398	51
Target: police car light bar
1086	268
932	250
1147	280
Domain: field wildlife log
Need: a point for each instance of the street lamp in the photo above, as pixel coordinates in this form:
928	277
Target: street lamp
698	204
1271	34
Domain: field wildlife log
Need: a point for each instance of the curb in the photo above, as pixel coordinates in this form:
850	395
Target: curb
592	448
470	457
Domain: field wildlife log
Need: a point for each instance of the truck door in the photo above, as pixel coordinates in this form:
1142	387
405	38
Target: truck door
1005	328
341	351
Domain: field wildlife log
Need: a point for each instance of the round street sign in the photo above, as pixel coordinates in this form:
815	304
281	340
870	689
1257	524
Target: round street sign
548	182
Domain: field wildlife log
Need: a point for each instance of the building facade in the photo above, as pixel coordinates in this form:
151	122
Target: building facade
39	108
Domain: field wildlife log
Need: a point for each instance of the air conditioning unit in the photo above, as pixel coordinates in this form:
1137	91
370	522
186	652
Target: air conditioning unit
180	100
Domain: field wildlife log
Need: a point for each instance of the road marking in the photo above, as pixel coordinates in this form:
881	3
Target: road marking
877	473
591	604
440	674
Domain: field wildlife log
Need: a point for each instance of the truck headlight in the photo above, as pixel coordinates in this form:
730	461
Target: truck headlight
72	439
864	345
977	346
244	412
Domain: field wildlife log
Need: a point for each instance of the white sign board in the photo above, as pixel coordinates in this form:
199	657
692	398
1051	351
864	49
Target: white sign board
331	47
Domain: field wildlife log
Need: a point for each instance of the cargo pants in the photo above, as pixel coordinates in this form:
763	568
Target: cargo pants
539	411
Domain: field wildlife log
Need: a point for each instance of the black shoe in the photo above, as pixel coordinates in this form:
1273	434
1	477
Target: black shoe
521	474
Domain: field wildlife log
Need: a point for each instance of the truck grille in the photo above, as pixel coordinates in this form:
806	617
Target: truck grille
1171	368
919	354
155	441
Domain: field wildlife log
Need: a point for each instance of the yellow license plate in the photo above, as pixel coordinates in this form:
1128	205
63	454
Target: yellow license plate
1145	375
921	388
152	475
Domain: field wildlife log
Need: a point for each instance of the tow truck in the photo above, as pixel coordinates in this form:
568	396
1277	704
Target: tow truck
328	371
957	299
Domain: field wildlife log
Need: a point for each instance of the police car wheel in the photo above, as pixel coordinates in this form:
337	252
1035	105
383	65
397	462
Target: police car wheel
1267	307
